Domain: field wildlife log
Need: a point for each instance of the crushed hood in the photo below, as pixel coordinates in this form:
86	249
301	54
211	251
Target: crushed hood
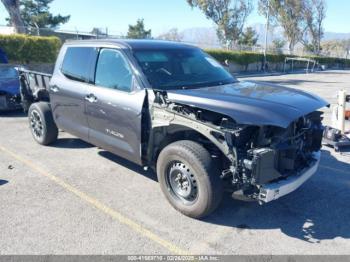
251	103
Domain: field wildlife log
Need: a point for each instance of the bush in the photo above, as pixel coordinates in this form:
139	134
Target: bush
30	49
245	58
242	58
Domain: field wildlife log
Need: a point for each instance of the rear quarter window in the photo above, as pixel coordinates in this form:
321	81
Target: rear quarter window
77	61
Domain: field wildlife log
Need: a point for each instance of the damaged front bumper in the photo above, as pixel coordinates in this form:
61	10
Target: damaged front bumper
275	190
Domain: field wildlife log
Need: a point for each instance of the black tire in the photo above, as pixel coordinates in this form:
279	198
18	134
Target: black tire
41	123
188	163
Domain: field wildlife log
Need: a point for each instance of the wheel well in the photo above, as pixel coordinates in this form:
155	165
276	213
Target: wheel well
29	97
163	136
43	95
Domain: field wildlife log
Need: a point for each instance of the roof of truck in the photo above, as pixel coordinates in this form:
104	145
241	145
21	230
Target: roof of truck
135	44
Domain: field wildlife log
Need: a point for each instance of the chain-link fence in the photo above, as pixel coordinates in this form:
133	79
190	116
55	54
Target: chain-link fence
71	34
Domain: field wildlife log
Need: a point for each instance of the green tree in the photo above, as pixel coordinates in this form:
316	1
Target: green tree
138	31
290	15
172	35
99	32
314	15
36	13
278	44
228	15
249	37
13	8
336	48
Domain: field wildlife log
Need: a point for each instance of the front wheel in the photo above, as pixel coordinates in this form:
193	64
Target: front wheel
41	123
189	179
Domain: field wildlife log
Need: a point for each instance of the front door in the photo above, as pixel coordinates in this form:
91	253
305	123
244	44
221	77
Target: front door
114	107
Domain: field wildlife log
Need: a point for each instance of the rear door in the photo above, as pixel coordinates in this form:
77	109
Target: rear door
114	107
69	87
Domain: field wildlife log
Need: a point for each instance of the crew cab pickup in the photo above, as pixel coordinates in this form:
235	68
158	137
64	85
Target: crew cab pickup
173	108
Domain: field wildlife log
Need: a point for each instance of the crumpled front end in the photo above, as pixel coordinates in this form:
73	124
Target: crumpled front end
255	157
270	157
275	190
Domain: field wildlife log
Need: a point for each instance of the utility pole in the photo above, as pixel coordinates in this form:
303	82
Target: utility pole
266	33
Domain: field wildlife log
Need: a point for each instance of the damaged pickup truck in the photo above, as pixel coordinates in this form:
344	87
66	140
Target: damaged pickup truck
173	108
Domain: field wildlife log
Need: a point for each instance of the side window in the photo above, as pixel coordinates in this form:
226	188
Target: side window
76	63
113	71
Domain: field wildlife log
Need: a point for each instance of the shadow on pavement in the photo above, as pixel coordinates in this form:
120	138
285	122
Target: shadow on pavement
3	182
71	143
319	210
9	114
130	165
336	72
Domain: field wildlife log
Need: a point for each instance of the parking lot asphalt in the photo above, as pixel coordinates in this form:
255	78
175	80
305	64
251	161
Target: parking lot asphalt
74	198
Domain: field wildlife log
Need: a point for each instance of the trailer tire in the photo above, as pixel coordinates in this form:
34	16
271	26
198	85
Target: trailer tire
189	179
41	123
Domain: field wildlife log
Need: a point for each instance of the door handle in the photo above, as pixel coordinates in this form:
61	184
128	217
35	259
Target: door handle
54	89
91	98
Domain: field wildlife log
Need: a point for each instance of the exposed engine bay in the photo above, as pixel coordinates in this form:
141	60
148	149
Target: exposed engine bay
251	155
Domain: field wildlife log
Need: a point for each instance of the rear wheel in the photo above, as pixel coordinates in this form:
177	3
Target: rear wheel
189	179
41	123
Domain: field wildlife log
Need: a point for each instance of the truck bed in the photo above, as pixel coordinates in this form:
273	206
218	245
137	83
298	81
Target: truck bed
34	86
35	80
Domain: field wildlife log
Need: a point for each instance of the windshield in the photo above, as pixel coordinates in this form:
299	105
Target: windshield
8	72
181	68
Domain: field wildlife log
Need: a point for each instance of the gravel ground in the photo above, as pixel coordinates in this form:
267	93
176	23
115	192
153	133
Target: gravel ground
74	198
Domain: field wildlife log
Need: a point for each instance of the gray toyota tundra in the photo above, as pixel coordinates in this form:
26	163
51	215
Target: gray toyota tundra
175	109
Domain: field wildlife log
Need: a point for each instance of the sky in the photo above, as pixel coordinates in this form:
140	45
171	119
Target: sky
161	15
